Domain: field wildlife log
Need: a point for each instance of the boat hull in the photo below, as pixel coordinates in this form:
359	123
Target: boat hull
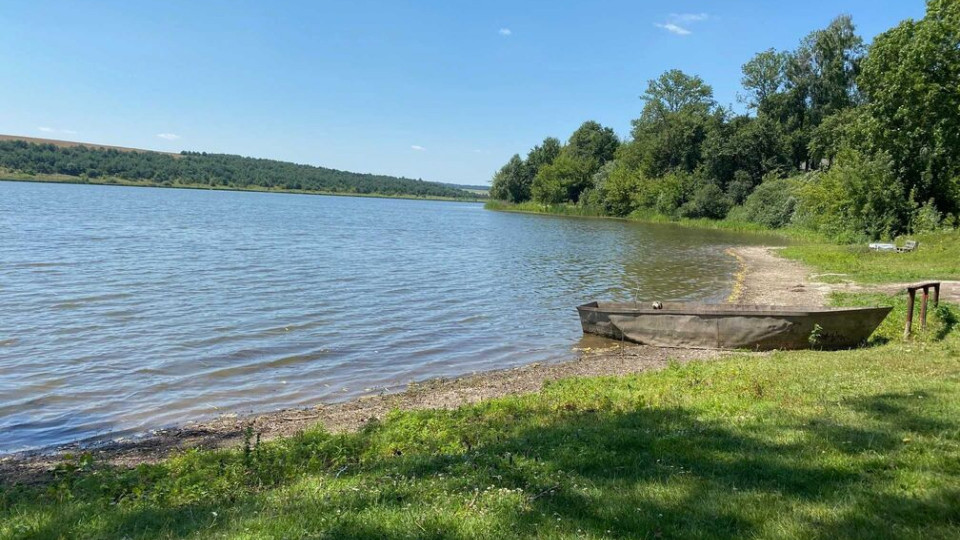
719	326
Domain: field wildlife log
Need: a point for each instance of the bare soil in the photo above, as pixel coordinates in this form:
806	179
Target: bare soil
766	278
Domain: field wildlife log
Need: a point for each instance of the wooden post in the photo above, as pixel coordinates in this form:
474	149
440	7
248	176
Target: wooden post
910	295
923	308
911	300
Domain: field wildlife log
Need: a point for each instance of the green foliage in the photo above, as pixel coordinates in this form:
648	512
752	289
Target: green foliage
859	197
708	201
675	122
620	189
926	218
764	76
674	92
670	192
740	187
911	78
512	182
829	62
592	143
542	155
752	146
564	179
210	170
772	204
882	124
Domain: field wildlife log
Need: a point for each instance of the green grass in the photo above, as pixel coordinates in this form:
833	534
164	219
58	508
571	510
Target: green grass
853	444
938	257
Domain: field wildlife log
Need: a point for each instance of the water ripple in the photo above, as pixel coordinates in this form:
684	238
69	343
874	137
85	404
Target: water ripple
125	309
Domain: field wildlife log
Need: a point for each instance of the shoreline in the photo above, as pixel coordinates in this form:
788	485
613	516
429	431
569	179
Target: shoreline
762	276
118	182
703	223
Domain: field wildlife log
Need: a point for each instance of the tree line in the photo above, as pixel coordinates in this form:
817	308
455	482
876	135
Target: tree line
846	139
214	170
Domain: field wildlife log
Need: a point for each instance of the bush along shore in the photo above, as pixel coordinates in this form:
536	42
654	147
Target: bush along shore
860	444
848	141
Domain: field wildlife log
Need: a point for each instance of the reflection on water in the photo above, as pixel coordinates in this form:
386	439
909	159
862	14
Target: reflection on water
123	309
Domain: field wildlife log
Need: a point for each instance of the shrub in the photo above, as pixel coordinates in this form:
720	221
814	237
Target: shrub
739	188
563	180
708	201
926	218
621	190
772	204
860	196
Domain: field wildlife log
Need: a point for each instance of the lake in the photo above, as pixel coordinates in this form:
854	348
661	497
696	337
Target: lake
126	309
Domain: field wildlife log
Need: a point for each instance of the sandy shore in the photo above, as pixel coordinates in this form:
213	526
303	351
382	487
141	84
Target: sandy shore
763	278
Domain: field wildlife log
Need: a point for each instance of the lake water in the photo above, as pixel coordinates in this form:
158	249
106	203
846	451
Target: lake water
126	309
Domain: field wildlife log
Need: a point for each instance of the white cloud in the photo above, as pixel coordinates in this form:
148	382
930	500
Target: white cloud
670	27
168	136
677	23
688	17
505	32
417	147
47	129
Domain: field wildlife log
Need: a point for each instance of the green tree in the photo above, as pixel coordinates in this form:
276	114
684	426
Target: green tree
621	189
674	123
563	180
833	62
911	78
592	142
859	196
542	154
764	76
675	91
799	89
512	182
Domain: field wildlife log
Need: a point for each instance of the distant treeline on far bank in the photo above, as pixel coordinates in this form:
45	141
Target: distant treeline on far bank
48	161
848	140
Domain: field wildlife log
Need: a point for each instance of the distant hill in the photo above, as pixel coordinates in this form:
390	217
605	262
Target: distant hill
53	160
71	144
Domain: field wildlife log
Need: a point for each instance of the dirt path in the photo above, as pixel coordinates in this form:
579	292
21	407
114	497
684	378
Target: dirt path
766	278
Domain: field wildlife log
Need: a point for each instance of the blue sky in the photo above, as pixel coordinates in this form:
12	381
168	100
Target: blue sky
440	90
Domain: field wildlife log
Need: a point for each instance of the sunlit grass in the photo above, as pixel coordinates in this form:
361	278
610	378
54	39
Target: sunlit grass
937	257
862	443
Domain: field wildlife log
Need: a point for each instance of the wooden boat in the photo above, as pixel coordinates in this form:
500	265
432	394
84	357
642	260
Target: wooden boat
731	326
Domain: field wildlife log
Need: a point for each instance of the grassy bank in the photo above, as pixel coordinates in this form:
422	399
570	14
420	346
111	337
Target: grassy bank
572	210
861	443
10	176
938	257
